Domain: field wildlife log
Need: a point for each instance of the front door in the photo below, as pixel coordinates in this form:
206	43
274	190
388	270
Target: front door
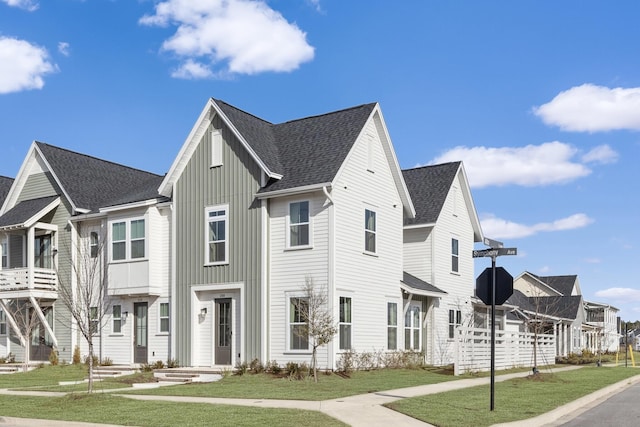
41	342
140	332
42	251
223	332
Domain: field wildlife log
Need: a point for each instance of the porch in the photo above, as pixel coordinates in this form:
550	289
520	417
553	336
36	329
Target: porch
24	282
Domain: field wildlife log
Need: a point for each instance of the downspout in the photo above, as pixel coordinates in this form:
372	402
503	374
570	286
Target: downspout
265	281
172	286
331	359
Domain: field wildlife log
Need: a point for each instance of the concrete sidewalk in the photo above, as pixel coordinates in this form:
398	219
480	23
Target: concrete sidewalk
364	410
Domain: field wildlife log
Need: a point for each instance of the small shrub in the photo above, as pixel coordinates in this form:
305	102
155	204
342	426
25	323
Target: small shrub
242	368
173	363
106	361
273	368
76	355
53	357
347	362
145	367
256	366
10	358
296	371
159	364
95	359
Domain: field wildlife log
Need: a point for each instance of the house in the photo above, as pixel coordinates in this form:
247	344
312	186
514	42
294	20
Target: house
53	223
259	209
437	248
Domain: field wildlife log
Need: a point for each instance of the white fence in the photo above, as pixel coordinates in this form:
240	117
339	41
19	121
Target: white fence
513	349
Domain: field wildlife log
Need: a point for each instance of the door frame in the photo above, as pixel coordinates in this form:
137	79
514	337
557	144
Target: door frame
215	329
135	330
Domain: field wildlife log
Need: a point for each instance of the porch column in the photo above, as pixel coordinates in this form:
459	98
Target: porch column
30	255
556	334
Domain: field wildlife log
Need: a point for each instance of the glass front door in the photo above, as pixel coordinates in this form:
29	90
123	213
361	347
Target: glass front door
223	332
140	311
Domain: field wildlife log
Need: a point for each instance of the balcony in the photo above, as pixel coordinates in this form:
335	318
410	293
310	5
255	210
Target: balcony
18	283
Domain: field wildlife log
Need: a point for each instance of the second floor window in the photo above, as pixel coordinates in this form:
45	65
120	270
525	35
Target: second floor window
217	230
93	245
299	224
5	254
128	240
454	255
369	231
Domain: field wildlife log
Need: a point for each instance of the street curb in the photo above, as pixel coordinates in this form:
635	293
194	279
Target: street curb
567	412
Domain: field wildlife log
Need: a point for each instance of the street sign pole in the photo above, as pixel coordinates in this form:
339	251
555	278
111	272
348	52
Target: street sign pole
493	329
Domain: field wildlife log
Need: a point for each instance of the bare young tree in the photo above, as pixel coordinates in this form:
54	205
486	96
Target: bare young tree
544	309
24	321
82	289
318	324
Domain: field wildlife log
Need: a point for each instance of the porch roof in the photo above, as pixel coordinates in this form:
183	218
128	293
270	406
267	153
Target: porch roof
417	286
28	212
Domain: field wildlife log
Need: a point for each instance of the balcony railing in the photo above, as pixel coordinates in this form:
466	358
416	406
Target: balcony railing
17	279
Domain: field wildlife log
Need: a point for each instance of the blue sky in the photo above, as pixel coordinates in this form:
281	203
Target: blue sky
540	99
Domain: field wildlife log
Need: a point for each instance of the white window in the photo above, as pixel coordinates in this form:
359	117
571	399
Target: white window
216	148
455	319
369	231
217	227
93	320
392	326
345	323
299	230
128	239
412	334
93	244
3	323
5	254
164	317
116	327
297	327
454	255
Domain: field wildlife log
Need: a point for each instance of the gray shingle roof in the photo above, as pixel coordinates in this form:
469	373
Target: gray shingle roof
93	183
24	210
566	307
5	186
419	284
562	284
306	151
428	187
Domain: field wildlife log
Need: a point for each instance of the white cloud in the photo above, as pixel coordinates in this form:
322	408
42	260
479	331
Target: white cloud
601	154
29	5
23	65
591	108
620	294
63	48
246	36
533	165
499	228
192	70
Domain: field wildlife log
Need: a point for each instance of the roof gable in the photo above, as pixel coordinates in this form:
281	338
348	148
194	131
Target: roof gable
5	186
28	212
565	285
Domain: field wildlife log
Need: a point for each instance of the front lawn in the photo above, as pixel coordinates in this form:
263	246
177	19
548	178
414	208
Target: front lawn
516	399
45	375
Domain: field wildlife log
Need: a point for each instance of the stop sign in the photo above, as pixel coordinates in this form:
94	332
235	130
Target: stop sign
504	286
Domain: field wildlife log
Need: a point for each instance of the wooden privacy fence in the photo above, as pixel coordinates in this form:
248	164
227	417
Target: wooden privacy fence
472	352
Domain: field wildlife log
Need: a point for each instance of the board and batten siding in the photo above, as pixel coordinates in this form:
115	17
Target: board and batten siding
454	222
199	186
290	268
366	182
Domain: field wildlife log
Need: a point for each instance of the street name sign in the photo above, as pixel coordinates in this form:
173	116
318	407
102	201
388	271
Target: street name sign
493	252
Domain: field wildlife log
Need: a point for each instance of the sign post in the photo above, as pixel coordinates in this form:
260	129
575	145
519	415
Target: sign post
497	249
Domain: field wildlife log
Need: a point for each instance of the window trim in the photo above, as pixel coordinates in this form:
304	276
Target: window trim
289	224
161	317
128	240
367	231
455	320
344	322
114	319
207	221
392	323
455	255
289	324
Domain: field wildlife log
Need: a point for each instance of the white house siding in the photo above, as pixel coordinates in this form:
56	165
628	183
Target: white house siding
454	222
290	269
366	182
417	252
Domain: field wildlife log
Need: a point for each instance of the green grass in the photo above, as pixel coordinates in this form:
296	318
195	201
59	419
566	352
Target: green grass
121	382
516	399
44	376
331	386
104	408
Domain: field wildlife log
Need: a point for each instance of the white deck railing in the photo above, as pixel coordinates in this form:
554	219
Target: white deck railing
17	279
512	350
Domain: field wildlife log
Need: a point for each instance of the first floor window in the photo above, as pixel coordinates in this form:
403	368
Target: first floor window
392	326
455	319
412	328
93	320
298	331
217	227
117	319
299	224
3	323
369	231
345	323
454	255
164	317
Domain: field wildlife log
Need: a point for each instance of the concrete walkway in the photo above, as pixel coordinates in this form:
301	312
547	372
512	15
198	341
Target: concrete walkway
364	410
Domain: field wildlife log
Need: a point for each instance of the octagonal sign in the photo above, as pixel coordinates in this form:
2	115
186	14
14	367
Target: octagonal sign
504	286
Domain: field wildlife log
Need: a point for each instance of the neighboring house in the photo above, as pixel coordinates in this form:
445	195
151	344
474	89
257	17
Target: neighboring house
5	186
439	273
59	208
605	318
259	209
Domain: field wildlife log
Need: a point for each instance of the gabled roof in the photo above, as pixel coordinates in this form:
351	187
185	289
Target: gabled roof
27	212
562	284
414	285
564	307
429	187
297	154
5	186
